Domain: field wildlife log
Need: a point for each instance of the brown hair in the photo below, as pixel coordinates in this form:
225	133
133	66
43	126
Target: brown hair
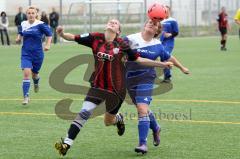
158	31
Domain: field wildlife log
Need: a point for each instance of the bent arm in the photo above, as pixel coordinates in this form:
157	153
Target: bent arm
7	23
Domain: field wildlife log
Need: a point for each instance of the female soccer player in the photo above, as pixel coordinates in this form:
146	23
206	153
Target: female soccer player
140	80
237	19
169	32
107	81
223	27
32	54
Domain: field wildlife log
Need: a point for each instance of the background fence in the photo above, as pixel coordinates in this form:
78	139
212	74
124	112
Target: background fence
195	17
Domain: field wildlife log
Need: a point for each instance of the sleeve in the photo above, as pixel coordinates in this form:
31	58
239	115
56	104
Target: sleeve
85	39
162	37
1	24
25	16
218	18
175	28
237	16
131	54
20	30
15	20
50	16
164	55
127	41
57	17
46	29
7	23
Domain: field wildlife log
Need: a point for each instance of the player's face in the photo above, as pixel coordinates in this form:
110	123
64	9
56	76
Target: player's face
223	9
113	25
152	26
31	15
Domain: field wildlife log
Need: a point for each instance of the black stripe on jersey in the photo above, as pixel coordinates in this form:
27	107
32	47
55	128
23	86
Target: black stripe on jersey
106	72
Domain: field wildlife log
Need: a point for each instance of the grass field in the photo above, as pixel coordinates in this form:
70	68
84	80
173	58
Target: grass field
207	105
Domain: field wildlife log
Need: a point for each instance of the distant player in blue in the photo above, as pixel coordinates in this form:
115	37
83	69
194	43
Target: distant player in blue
32	54
140	80
169	32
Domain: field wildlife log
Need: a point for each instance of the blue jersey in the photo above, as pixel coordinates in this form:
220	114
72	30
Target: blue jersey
169	25
139	78
151	50
32	37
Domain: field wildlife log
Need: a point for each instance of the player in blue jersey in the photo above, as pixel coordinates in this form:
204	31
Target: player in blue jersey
169	32
140	79
31	31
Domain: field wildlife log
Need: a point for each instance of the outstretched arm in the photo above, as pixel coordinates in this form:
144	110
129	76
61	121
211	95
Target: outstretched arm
151	63
179	65
66	36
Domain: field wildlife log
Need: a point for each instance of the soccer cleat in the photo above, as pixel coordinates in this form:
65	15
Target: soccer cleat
141	149
36	88
25	100
120	125
223	49
166	80
156	137
62	147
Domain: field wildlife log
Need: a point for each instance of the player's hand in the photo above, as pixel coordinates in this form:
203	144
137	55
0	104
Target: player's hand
18	40
168	64
59	30
185	70
47	47
167	35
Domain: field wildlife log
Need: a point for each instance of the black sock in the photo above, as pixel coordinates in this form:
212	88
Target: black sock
224	43
73	131
221	43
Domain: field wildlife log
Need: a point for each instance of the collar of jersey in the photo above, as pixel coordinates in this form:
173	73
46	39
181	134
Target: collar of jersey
26	25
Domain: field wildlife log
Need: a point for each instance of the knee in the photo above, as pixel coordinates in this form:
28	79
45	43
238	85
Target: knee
142	109
26	73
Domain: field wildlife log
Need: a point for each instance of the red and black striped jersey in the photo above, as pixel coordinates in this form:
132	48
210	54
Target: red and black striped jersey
222	20
109	73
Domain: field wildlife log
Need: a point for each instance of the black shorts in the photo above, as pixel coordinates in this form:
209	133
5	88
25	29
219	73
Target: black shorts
113	101
223	31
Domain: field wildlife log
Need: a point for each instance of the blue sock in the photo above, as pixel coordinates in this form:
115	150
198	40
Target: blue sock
26	87
143	127
153	122
36	80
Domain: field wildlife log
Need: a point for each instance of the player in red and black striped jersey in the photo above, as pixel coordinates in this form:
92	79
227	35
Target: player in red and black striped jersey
223	27
107	81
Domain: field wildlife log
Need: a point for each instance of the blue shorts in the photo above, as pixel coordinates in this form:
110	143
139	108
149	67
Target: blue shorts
140	88
31	62
141	93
